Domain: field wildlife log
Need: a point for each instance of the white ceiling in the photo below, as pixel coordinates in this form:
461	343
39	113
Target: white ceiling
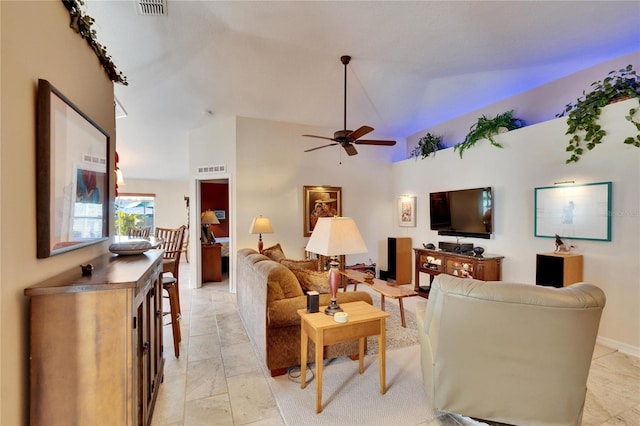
415	64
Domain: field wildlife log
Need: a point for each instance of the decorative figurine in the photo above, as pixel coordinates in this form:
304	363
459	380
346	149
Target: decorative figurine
561	247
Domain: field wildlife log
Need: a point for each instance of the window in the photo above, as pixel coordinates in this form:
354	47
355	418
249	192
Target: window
134	210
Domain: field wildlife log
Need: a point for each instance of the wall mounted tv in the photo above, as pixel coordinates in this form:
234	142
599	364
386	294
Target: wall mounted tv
462	213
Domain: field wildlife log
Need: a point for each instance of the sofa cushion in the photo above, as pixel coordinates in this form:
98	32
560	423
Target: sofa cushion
274	253
310	264
312	280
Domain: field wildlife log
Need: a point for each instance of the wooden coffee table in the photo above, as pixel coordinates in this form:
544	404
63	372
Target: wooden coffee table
364	320
382	287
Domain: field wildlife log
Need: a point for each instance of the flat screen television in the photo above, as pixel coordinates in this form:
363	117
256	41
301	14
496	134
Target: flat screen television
462	213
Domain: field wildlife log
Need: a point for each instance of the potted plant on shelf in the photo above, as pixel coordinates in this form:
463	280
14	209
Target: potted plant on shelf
486	128
583	115
426	145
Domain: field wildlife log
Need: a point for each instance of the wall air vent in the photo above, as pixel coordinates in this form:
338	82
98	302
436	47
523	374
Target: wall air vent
212	169
152	7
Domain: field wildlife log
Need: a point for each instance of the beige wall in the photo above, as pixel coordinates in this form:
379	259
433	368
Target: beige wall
36	42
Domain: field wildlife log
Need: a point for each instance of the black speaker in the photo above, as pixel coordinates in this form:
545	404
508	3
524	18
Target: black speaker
549	271
391	258
313	301
384	275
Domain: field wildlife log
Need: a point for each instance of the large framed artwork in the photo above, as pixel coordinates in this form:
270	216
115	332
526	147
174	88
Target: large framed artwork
72	163
320	201
580	212
407	211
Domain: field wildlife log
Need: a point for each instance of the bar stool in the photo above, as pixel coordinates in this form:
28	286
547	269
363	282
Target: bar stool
172	246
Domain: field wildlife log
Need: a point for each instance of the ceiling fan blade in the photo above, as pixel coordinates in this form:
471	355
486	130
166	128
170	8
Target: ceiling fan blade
320	137
357	134
318	147
370	142
351	150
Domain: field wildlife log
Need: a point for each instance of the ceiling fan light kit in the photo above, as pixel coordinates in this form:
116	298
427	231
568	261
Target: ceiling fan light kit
348	138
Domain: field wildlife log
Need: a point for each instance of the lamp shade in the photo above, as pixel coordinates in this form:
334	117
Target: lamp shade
209	218
333	236
261	225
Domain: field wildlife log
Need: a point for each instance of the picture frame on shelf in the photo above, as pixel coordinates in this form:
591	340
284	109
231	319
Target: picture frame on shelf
73	175
320	201
407	211
579	212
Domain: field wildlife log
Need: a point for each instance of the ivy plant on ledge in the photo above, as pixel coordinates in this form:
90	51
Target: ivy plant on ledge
583	115
81	24
427	145
486	128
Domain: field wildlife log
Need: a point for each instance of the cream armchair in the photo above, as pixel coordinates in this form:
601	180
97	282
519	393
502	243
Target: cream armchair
511	353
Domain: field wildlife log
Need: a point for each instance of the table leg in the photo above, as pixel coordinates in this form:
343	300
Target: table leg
382	301
304	342
382	356
319	349
404	323
361	354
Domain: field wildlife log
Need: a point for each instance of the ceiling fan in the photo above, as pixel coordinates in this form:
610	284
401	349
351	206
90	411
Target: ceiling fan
347	138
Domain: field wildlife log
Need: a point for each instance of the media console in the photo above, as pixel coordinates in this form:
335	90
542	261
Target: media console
487	267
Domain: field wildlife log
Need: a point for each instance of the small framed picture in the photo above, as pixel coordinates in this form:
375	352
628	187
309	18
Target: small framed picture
220	214
407	211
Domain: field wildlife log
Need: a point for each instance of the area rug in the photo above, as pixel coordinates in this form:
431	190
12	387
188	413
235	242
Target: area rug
350	398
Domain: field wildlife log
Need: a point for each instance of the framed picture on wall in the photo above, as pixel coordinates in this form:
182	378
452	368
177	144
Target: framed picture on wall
580	212
73	171
320	201
220	214
407	211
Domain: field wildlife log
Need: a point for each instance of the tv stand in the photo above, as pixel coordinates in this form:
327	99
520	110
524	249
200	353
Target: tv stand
487	267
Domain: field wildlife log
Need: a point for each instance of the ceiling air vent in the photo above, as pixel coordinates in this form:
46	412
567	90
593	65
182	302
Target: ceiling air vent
212	169
152	7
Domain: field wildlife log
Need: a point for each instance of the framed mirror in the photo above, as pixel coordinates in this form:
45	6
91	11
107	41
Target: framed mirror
72	175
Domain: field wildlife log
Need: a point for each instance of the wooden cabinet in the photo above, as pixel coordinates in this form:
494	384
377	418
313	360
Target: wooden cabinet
558	269
96	351
211	262
435	262
399	260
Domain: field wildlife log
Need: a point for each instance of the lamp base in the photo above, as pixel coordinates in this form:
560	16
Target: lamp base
332	308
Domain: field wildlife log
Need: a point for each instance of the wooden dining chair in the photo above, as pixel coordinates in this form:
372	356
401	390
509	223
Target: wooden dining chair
172	246
139	232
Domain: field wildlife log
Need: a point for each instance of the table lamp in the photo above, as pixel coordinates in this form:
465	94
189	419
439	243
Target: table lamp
260	225
207	219
334	236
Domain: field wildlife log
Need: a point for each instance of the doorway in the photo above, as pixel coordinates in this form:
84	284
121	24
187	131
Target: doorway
215	235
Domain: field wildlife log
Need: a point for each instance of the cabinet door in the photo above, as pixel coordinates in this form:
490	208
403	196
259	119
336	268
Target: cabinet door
460	268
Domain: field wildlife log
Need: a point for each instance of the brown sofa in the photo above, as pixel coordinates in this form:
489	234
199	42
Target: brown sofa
269	296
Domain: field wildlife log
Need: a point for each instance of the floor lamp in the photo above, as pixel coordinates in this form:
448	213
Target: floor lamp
334	236
260	225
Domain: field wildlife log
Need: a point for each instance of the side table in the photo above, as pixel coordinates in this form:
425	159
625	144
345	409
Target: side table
211	262
364	320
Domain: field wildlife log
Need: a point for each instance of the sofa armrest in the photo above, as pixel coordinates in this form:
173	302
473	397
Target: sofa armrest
284	312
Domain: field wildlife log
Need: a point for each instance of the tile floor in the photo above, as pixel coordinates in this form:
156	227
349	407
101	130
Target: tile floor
217	379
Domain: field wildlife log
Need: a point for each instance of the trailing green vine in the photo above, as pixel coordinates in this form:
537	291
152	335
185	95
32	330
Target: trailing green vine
427	145
583	115
81	24
486	128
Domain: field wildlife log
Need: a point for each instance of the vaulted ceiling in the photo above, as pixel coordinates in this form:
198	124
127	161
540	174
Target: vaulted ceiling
415	63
